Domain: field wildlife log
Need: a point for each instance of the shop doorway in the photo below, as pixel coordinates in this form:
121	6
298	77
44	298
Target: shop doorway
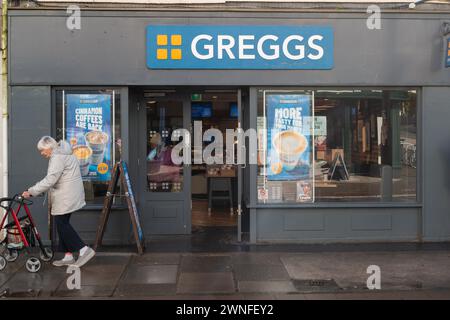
214	186
182	199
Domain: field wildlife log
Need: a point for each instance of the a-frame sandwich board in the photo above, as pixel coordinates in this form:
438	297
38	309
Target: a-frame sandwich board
120	174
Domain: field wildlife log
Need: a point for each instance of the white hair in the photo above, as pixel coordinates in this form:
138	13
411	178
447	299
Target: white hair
47	142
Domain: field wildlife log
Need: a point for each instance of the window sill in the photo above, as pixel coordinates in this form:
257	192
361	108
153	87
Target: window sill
331	205
99	207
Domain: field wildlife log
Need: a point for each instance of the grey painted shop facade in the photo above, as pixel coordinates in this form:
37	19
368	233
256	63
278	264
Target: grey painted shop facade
109	52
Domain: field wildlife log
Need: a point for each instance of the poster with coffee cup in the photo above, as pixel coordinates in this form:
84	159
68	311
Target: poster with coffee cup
290	134
88	130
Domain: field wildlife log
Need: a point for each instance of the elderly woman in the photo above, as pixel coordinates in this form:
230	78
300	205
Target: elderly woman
64	182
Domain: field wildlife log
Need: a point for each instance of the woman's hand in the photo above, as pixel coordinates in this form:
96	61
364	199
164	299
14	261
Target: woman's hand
26	194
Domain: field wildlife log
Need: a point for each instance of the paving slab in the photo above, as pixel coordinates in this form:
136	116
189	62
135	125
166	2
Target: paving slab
266	286
388	295
258	296
438	295
151	274
202	283
103	259
260	272
221	296
101	275
256	258
321	296
85	291
205	263
145	290
399	270
10	270
290	296
156	258
160	297
46	280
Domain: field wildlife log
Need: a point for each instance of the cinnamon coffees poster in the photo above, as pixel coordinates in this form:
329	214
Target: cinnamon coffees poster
290	142
88	130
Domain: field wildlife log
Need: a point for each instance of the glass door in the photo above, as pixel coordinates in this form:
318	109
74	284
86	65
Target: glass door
163	114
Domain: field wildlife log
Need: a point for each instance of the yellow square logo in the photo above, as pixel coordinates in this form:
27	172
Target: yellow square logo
175	40
161	40
175	54
161	54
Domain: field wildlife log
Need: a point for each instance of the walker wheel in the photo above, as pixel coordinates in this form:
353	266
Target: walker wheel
3	263
49	256
12	255
33	264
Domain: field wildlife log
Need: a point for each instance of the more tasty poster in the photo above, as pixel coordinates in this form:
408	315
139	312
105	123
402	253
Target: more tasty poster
290	140
88	130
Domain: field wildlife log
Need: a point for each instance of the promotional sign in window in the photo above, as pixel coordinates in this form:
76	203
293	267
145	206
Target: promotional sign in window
447	56
290	140
88	130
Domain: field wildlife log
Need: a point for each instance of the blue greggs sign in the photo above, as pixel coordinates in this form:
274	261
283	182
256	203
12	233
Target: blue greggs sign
239	47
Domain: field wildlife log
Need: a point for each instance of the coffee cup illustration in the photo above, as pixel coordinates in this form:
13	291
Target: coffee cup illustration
84	156
97	141
289	145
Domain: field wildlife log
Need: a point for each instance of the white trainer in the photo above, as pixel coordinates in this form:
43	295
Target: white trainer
63	262
83	259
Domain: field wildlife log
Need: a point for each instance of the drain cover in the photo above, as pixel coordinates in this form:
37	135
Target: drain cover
316	285
20	294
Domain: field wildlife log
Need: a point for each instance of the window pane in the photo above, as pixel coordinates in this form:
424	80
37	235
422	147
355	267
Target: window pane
364	148
90	121
163	117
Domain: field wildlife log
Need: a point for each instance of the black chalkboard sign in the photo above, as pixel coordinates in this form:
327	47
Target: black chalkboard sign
120	174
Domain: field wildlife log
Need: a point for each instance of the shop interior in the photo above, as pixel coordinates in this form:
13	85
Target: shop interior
214	186
363	150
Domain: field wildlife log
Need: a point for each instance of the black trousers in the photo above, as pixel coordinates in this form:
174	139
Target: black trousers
69	240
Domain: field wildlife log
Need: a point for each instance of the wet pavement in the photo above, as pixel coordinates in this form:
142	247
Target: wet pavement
239	275
211	265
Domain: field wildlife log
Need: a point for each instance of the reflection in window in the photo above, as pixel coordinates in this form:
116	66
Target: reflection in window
163	117
364	148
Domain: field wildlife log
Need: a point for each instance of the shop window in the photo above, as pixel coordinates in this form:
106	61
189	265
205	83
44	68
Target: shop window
90	121
337	145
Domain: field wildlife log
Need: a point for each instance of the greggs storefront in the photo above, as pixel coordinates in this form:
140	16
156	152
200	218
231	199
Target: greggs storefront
280	126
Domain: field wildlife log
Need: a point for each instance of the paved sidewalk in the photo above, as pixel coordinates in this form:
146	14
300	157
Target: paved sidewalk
240	276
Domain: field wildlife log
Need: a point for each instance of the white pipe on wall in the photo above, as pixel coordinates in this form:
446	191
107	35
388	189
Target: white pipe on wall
4	99
1	123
